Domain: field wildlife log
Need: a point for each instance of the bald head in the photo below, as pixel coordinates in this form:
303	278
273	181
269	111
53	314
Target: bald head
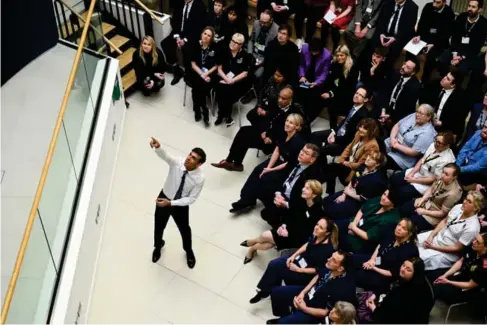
285	97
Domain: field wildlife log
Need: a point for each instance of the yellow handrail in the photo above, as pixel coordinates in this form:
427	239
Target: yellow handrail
143	6
45	169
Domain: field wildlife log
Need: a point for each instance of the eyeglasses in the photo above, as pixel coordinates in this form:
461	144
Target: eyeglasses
439	143
235	42
307	152
421	113
361	95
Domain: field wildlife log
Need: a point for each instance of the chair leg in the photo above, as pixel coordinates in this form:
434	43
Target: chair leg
448	314
185	90
258	152
239	105
213	101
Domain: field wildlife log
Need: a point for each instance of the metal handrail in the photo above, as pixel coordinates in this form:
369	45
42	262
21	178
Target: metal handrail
52	145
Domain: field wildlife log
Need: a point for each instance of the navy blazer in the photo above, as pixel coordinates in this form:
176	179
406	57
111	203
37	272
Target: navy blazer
474	116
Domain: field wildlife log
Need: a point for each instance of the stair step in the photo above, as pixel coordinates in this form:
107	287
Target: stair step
128	80
126	57
118	41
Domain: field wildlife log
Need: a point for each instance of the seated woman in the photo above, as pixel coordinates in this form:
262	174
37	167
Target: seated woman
410	137
375	219
295	225
344	11
149	66
440	247
203	63
233	69
375	272
233	23
414	182
340	85
313	71
426	212
301	267
342	313
409	300
465	280
367	182
364	142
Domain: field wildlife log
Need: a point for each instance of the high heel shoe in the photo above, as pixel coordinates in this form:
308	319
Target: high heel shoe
248	260
244	243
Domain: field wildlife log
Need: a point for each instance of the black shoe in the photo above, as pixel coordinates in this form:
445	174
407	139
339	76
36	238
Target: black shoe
244	243
190	260
239	207
229	121
219	120
197	117
178	75
156	254
206	120
258	297
247	98
273	321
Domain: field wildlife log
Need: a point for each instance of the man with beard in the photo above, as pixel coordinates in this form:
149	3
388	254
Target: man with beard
468	37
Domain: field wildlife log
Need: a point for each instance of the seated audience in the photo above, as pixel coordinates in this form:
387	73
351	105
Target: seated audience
410	138
281	9
300	267
354	155
216	19
374	220
344	11
434	28
435	204
409	300
203	64
233	69
339	86
440	248
333	141
282	54
233	24
414	182
314	302
149	67
266	131
472	159
466	279
478	117
292	229
264	187
477	78
313	70
373	72
375	273
342	313
448	100
399	94
367	182
313	11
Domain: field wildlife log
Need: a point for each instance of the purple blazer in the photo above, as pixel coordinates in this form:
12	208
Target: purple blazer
322	64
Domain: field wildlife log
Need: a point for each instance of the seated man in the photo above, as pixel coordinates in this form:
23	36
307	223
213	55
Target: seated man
332	142
216	19
187	22
266	129
472	159
265	187
373	72
311	304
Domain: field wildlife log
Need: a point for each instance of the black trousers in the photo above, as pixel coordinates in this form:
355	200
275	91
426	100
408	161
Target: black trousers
430	63
472	178
331	172
199	90
158	84
311	100
247	137
335	34
320	138
391	164
169	47
313	14
405	190
180	216
227	95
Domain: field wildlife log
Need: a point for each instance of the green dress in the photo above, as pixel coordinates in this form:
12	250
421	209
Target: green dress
375	225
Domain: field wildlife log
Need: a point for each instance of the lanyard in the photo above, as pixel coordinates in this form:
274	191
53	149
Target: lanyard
481	120
357	147
204	55
455	222
391	247
468	30
408	130
430	158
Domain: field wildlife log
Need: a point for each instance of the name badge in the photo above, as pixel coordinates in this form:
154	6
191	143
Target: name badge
377	260
432	30
368	10
337	81
259	47
339	10
285	2
381	297
361	222
239	61
465	40
230	74
311	293
302	263
204	70
307	214
212	53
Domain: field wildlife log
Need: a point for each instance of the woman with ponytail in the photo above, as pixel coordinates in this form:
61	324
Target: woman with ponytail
301	267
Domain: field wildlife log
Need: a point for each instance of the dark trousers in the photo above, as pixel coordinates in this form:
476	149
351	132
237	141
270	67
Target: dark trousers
472	178
247	137
405	190
391	164
320	138
276	272
310	98
335	34
331	172
356	45
367	279
158	84
477	79
430	63
199	90
313	15
180	215
227	95
169	47
282	301
407	210
444	63
345	210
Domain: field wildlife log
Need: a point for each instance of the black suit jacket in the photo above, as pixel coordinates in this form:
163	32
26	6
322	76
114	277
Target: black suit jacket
197	20
407	20
351	126
477	36
312	172
406	101
440	23
454	111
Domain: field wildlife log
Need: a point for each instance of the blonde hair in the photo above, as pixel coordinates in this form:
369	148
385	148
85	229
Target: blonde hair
155	56
478	200
347	66
239	38
315	186
297	120
346	311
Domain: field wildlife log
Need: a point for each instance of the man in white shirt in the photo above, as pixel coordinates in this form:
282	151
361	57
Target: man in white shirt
183	184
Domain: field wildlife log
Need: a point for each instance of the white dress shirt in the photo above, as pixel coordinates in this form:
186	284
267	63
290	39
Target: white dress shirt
193	183
400	8
405	80
289	185
445	97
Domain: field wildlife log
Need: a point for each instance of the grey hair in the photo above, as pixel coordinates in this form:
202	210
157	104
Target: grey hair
346	311
429	110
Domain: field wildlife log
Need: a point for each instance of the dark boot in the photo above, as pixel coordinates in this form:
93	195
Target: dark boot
206	116
178	75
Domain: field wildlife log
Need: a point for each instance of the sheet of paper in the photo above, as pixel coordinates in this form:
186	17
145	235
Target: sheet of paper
329	16
414	48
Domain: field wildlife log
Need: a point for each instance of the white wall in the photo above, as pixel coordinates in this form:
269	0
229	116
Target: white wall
73	297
